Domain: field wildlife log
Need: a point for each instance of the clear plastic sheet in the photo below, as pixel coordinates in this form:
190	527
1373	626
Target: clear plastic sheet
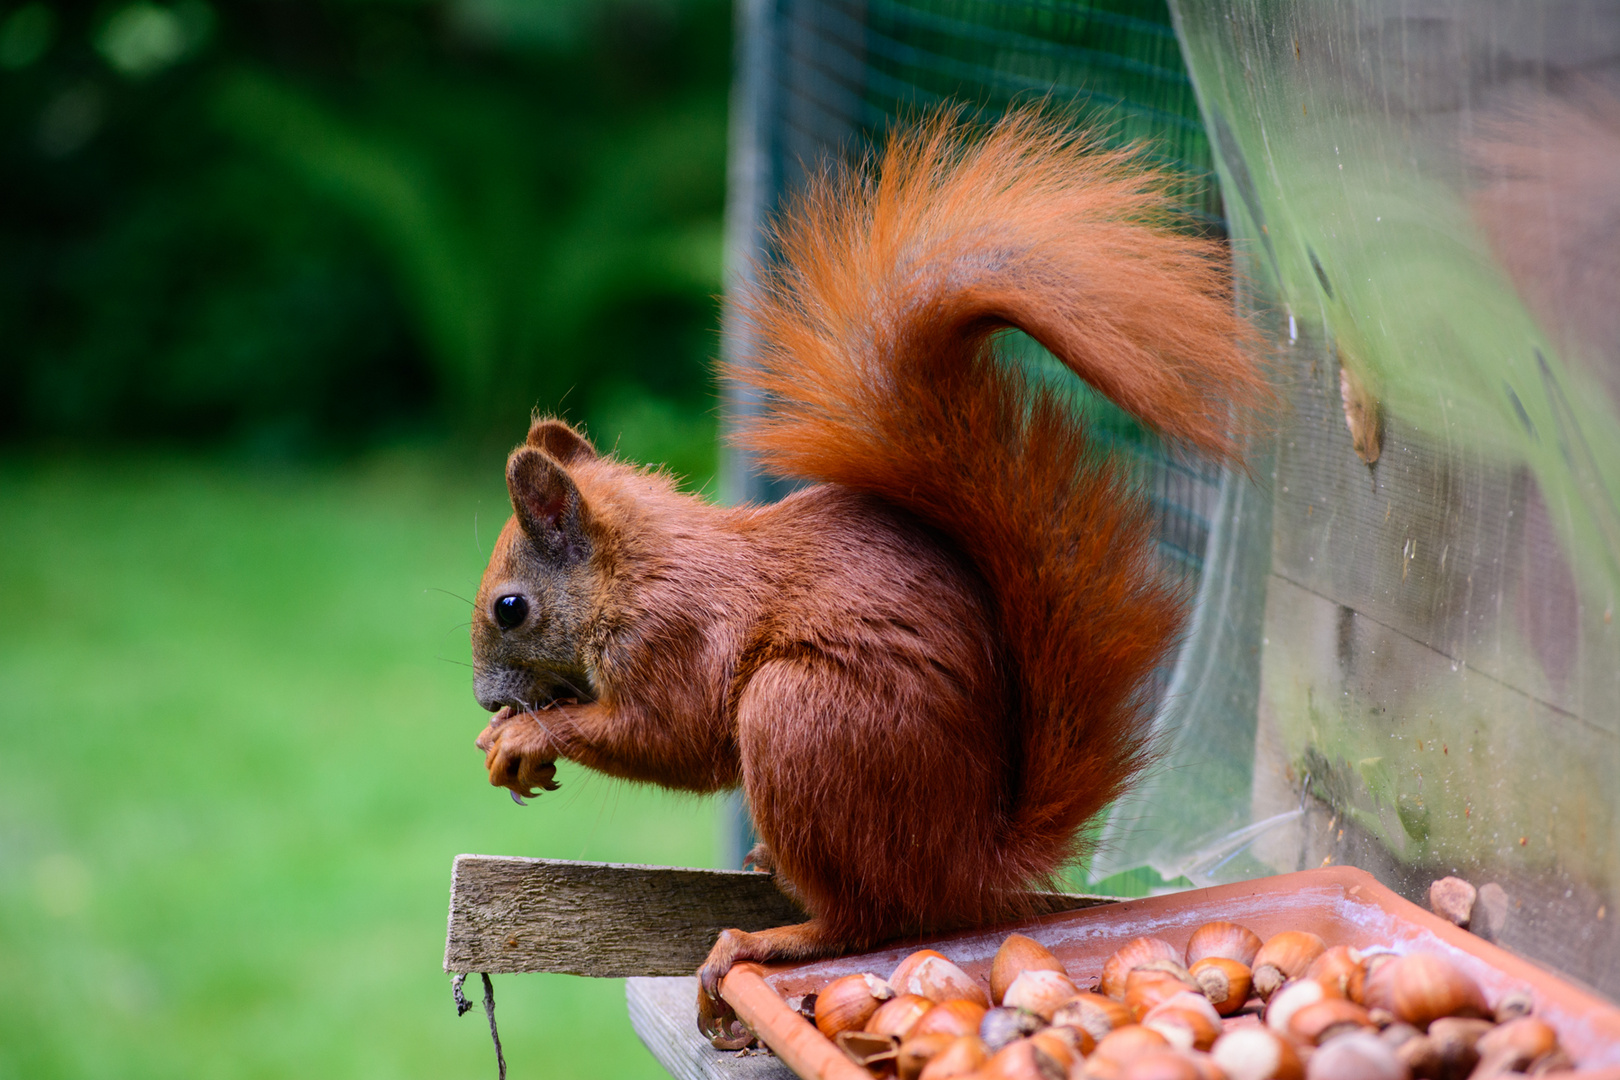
1405	656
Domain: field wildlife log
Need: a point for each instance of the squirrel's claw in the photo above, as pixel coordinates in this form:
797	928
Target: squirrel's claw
716	1019
719	1023
518	756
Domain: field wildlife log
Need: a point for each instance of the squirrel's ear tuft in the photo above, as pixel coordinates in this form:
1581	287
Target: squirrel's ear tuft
547	503
559	440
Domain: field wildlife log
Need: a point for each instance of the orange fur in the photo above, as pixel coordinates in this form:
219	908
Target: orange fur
927	671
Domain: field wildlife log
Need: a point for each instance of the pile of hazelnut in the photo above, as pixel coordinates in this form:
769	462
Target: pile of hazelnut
1230	1008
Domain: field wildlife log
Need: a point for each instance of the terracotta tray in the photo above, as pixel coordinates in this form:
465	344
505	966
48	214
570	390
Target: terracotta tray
1344	905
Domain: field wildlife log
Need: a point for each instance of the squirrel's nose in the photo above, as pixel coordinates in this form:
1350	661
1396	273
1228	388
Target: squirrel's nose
490	690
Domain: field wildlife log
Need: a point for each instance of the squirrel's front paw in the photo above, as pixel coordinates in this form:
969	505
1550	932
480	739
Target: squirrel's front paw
518	754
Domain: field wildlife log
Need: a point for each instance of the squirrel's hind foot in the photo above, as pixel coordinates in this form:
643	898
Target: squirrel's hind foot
802	941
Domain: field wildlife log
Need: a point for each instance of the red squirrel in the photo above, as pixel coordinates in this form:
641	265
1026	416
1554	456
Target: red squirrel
927	669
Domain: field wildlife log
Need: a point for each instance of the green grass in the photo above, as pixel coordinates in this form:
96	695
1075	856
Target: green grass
235	762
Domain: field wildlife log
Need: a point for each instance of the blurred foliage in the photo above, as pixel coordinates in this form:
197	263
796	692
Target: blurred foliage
294	226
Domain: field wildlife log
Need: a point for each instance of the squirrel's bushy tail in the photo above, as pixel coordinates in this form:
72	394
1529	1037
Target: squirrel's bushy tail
876	330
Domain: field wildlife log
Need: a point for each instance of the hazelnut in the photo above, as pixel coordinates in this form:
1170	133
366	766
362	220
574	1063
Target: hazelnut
1161	1065
1017	955
1065	1045
1256	1053
898	1015
1421	1056
1040	991
1224	981
1125	1043
1023	1060
958	1017
1553	1061
1185	1029
1317	1023
1226	940
1093	1013
1003	1025
964	1054
1152	983
902	970
1132	955
916	1051
1340	970
1521	1041
848	1003
937	979
1189	1000
1291	998
1360	1055
1421	988
1284	956
1514	1005
1455	1040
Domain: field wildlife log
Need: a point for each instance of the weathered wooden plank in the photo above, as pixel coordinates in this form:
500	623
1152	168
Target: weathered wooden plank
612	920
664	1015
603	919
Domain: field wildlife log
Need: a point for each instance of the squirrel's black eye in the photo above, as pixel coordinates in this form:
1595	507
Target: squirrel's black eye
510	611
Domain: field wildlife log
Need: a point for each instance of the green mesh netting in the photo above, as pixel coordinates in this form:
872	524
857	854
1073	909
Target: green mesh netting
822	78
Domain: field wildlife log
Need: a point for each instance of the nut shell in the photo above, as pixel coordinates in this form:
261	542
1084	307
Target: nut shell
917	1050
1003	1025
1224	981
1093	1013
1186	1029
1191	1000
1023	1060
1224	939
1133	954
1040	991
868	1050
1421	988
937	979
958	1017
1131	1041
1554	1061
1290	999
1017	955
1161	1065
1065	1045
1454	1040
1513	1005
898	1015
1257	1053
1527	1038
1153	983
902	971
846	1004
1315	1024
1207	1069
1341	970
1421	1056
963	1055
1284	956
1358	1056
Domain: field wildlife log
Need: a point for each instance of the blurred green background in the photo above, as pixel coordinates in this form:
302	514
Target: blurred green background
282	281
